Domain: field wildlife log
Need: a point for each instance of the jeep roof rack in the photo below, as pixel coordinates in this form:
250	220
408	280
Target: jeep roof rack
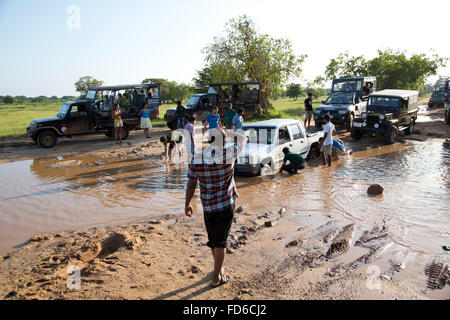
395	93
125	87
229	83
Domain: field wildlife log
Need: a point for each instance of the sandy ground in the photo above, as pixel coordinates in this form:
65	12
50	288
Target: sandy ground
166	258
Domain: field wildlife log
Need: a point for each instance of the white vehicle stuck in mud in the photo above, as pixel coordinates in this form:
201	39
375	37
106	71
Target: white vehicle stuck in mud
263	154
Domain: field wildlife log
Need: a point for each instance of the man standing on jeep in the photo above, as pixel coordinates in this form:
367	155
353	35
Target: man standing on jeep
308	109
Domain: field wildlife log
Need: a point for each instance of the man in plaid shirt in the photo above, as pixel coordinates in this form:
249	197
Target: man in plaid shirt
214	169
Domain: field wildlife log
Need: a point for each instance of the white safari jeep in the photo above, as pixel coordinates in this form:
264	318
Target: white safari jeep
263	153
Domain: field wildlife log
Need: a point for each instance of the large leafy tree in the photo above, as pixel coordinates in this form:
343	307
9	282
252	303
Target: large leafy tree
85	82
243	54
393	68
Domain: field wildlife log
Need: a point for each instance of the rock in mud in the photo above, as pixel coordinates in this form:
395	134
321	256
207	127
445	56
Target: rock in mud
268	224
282	211
375	190
40	237
65	164
294	243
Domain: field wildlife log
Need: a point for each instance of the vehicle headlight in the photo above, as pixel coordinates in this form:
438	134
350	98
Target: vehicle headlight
343	111
364	115
364	124
376	125
382	116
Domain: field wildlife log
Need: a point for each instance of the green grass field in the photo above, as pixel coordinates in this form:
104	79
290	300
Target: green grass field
15	118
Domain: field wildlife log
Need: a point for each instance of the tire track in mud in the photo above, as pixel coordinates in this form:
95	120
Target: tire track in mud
319	250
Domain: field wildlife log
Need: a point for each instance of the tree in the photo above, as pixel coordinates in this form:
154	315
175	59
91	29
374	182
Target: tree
392	68
344	66
8	100
293	91
85	82
243	54
395	70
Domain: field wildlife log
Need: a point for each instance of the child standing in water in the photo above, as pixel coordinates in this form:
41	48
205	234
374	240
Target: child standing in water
118	123
145	120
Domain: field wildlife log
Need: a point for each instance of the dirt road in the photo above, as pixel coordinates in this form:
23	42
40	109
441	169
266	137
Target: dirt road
298	256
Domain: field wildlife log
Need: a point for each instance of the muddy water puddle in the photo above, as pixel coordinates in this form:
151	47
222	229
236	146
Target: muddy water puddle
45	195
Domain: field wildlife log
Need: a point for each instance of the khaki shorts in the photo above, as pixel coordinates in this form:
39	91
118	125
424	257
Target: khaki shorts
308	115
118	123
326	149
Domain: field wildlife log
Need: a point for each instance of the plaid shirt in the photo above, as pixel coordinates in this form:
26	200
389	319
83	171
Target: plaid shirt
216	180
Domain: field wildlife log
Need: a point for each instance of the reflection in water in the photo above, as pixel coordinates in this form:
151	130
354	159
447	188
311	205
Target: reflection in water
35	198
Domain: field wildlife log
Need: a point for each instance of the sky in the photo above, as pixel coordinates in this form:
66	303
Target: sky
47	46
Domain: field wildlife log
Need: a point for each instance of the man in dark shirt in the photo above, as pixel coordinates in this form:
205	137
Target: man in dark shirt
308	109
180	115
296	162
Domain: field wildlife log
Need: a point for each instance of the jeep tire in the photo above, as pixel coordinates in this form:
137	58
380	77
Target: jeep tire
47	138
390	135
350	120
356	134
410	129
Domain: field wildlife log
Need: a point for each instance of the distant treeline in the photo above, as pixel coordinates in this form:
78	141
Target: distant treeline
40	99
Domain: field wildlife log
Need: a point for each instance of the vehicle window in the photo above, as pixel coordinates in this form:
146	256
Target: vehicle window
340	98
301	130
283	136
207	102
63	111
347	86
384	102
259	135
78	111
91	94
295	130
192	102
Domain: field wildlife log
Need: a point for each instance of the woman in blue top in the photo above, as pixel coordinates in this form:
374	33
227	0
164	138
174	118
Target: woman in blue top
145	120
213	120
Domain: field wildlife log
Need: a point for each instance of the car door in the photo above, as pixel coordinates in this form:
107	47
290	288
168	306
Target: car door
284	140
298	144
78	120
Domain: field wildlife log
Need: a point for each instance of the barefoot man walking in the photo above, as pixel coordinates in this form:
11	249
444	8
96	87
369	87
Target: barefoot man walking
215	172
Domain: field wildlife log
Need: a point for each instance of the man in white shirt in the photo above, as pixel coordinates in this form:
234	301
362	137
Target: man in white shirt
326	146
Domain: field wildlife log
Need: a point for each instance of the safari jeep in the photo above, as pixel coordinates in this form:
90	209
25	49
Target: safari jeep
388	112
346	101
243	95
447	103
93	114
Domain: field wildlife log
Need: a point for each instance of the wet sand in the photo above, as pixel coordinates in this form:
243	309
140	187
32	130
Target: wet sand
315	249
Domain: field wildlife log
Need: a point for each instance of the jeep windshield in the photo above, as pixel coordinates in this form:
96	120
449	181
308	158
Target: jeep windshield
90	95
63	111
260	135
340	98
193	101
388	102
347	86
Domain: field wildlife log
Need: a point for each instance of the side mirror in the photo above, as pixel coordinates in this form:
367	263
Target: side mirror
323	101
